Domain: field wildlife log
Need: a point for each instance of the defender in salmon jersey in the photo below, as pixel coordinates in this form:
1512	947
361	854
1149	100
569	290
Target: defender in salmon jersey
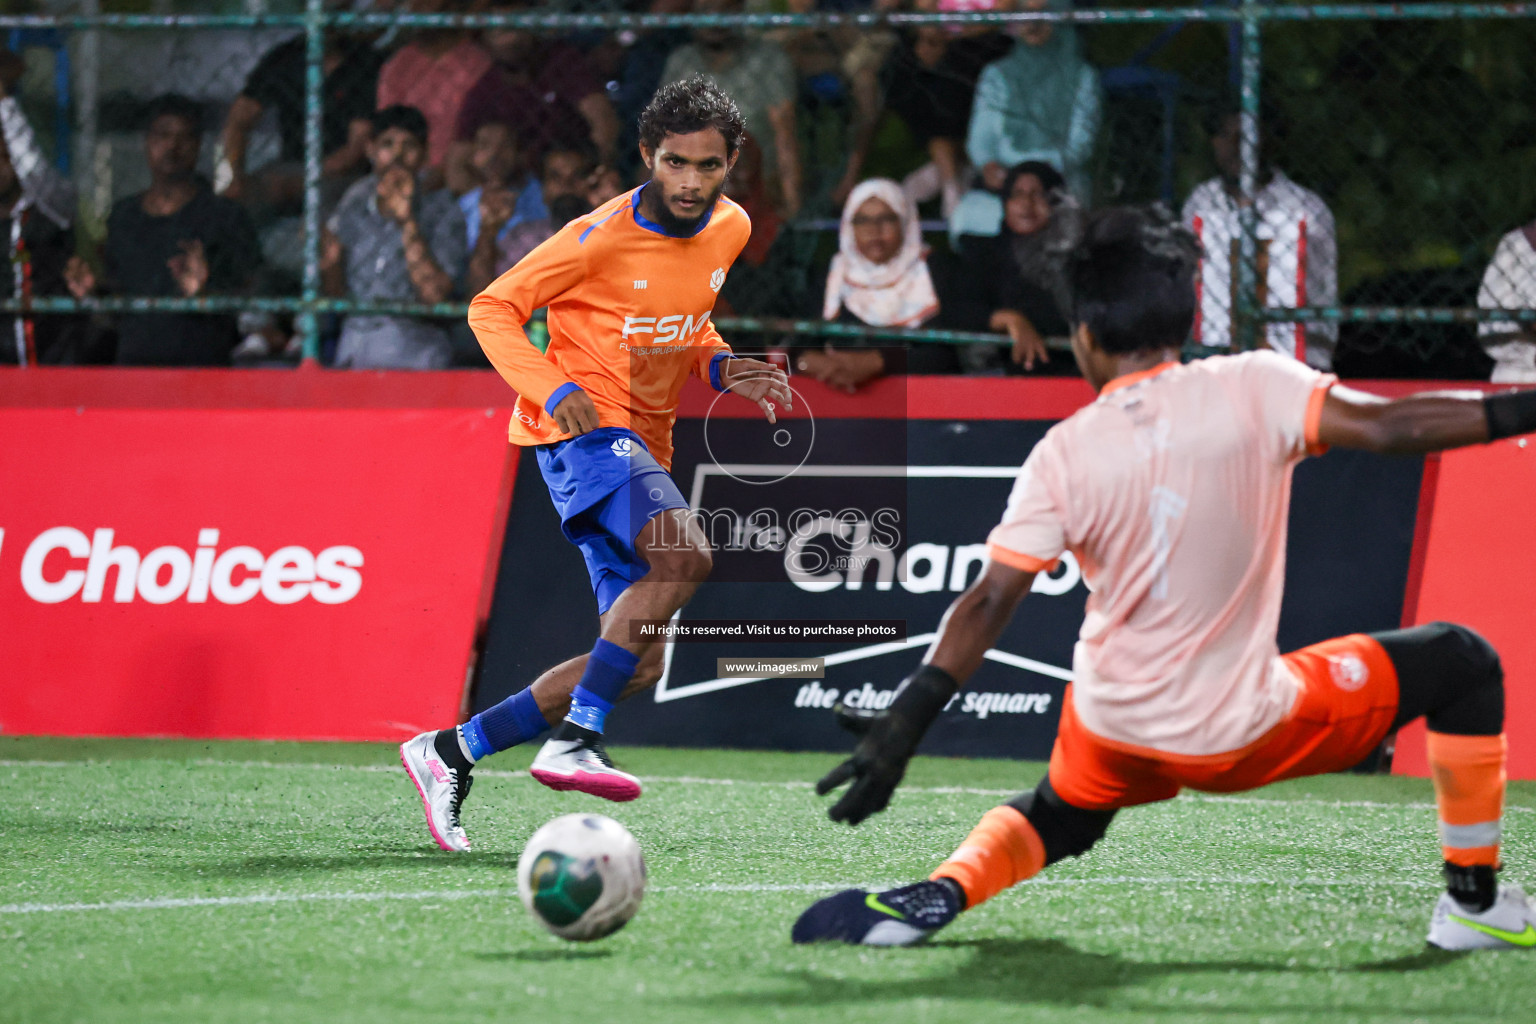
629	290
1172	491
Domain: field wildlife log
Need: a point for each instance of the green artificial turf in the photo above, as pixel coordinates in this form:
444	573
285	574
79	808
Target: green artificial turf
1305	902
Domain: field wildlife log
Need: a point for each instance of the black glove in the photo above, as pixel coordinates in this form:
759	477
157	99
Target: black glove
887	741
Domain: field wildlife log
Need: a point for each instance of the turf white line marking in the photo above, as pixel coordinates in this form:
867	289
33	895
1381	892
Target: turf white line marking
261	899
268	899
256	899
694	780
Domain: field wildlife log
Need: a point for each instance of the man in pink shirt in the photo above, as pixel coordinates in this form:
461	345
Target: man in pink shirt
434	73
1172	491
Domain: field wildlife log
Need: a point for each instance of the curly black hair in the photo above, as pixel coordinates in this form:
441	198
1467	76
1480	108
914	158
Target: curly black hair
174	104
1132	277
400	116
692	105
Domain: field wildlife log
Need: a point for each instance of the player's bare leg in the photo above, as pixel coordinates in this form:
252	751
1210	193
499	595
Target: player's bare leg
552	690
443	779
678	554
439	762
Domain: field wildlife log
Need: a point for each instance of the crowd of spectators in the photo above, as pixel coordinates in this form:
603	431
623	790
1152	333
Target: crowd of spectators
449	154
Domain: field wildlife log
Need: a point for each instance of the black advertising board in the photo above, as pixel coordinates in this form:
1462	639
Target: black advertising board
892	518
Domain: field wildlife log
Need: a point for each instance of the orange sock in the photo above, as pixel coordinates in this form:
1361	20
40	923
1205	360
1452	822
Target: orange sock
1469	787
1002	850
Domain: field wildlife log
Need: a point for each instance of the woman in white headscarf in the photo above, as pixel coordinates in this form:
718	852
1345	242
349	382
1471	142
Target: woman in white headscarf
882	276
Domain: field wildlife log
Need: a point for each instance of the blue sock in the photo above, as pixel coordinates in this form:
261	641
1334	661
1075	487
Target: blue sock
609	668
515	720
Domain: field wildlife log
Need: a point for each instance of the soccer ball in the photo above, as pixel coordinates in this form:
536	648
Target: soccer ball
582	876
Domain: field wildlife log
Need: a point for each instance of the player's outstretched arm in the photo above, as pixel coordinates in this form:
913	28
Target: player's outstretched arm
889	738
1430	422
977	618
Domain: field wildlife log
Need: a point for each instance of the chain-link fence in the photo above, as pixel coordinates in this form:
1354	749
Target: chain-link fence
198	181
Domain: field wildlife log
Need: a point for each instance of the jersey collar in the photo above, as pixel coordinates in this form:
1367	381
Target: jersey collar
1127	379
651	225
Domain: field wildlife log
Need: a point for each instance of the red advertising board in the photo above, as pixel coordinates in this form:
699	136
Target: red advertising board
191	563
311	554
1479	569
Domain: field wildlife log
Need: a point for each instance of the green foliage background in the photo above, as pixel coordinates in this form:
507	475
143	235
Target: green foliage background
1421	135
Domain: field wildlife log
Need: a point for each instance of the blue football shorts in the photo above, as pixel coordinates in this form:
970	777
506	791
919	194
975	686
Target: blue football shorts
606	487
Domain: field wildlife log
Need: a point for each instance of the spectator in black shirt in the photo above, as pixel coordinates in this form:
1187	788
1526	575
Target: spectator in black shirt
928	82
176	239
1010	284
351	67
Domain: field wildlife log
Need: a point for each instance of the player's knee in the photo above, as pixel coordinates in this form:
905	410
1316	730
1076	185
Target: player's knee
1474	677
1449	674
1064	830
1479	653
685	564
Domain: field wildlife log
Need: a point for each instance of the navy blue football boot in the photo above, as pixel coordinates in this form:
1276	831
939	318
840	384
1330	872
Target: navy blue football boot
895	917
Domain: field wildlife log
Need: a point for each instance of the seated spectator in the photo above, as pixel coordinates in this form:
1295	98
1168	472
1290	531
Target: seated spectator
759	76
1283	274
1040	102
930	82
37	206
1510	283
574	171
852	59
434	74
770	276
176	240
1009	285
544	90
638	76
351	67
836	65
505	216
882	276
391	239
572	185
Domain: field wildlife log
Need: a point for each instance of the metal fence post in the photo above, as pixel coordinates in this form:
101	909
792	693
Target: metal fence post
1245	322
314	73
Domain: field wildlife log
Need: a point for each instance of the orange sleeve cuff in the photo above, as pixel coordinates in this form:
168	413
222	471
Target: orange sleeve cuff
1017	560
1314	416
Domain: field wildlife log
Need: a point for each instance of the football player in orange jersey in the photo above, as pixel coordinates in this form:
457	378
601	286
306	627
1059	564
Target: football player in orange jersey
629	289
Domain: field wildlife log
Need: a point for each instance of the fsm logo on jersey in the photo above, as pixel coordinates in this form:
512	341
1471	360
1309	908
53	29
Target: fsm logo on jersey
64	563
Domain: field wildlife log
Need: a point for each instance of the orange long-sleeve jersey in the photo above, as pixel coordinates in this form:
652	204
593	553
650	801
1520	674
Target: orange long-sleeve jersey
629	309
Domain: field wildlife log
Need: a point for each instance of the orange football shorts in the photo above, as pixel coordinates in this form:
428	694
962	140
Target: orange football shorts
1347	702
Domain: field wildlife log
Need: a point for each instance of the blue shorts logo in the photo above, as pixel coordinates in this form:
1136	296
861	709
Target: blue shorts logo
623	447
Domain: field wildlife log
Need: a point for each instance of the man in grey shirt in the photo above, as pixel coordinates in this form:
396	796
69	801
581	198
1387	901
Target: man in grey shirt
387	241
759	76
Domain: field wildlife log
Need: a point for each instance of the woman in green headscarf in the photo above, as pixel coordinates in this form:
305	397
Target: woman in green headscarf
1040	102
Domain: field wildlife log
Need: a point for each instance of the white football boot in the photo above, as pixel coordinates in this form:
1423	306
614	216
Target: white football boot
1509	924
441	787
579	762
